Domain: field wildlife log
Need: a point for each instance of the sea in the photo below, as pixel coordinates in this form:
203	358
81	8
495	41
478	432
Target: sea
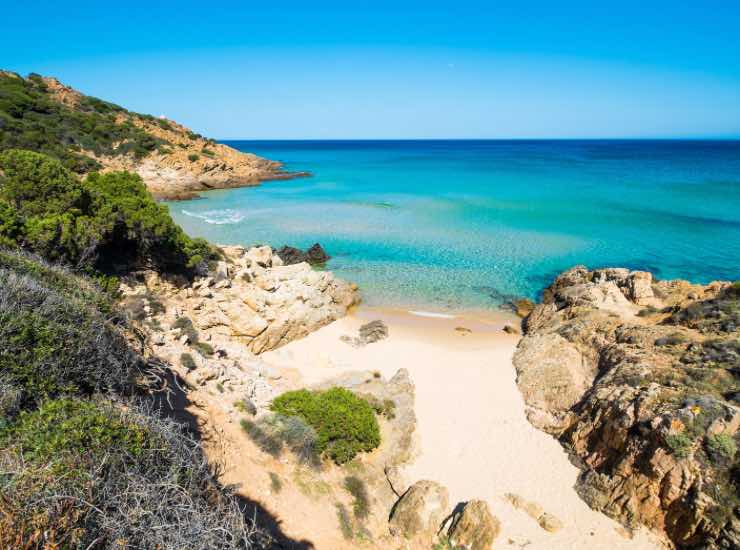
453	225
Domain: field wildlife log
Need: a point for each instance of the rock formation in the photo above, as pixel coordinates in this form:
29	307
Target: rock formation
473	527
316	255
419	513
638	379
369	333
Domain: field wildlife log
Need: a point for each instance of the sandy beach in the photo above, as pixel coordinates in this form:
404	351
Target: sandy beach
473	436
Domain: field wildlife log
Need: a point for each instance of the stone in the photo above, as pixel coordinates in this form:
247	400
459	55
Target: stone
420	511
532	509
640	285
261	255
473	527
158	339
510	329
552	375
315	255
550	523
368	333
221	273
244	322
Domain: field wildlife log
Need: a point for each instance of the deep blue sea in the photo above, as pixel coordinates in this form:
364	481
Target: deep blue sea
466	224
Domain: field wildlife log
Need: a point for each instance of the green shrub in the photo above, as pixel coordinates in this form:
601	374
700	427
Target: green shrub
207	152
361	502
81	474
722	445
345	424
192	157
273	433
679	444
107	220
275	483
56	339
671	340
206	350
187	361
345	522
66	426
245	406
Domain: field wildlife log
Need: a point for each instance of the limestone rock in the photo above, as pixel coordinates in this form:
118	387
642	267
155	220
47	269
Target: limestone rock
550	523
420	511
473	527
316	255
261	255
640	285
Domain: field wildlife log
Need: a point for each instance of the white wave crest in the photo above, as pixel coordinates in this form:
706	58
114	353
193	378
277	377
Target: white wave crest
432	314
217	217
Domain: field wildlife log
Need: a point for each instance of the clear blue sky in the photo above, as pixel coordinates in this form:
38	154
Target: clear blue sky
454	69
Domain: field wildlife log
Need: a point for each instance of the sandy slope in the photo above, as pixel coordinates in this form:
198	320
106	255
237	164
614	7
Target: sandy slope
474	437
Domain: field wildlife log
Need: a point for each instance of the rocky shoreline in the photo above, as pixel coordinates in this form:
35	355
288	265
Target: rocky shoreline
638	380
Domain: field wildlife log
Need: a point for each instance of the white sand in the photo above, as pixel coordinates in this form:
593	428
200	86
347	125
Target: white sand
474	437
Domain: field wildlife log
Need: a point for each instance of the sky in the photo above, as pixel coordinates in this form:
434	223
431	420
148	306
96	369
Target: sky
395	70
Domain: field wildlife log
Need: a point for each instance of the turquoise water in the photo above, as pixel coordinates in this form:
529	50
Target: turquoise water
461	224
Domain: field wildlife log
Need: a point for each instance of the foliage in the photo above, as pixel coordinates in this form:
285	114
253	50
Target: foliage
106	220
192	157
79	474
57	340
722	445
345	522
245	406
345	424
30	118
679	444
361	503
274	433
187	361
275	483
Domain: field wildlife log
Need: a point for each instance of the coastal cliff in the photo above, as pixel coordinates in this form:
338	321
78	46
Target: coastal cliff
638	379
88	134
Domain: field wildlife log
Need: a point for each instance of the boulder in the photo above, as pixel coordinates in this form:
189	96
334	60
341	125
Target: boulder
261	255
368	333
221	273
316	255
552	375
473	527
420	511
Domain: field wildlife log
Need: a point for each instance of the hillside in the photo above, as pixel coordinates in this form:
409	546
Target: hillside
88	134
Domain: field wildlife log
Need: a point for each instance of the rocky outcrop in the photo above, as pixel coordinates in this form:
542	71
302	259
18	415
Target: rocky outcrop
371	332
638	379
473	527
315	255
419	513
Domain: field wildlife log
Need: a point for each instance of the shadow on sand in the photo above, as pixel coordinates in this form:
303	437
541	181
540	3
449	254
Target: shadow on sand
175	406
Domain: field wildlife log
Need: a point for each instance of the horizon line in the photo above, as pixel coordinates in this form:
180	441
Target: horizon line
695	138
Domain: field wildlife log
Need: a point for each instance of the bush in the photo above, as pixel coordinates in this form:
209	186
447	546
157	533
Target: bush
193	157
58	340
345	424
79	474
679	444
361	503
107	220
671	340
187	361
722	445
273	433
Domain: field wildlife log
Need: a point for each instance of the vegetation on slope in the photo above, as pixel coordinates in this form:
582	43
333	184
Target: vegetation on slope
95	224
85	462
345	424
31	118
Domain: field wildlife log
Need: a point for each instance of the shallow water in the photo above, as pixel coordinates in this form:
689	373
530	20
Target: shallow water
466	224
